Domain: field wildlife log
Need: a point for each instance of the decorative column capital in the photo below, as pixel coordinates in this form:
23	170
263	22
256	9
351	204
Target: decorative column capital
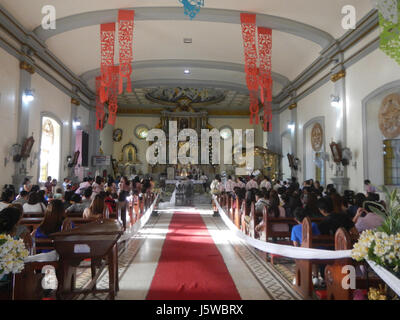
293	106
27	67
339	75
75	102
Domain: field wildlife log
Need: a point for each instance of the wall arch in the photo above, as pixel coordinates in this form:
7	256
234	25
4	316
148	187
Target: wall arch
56	119
372	164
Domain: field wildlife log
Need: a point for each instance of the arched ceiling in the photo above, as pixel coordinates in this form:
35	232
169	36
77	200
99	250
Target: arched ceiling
301	29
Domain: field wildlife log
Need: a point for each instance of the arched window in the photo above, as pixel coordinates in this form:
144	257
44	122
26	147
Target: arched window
49	149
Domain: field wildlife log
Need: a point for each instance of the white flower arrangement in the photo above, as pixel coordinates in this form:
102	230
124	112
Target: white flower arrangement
12	254
379	247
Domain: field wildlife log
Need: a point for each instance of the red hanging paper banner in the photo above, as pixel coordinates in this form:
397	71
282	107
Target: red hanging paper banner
107	38
248	22
113	95
265	74
99	106
125	36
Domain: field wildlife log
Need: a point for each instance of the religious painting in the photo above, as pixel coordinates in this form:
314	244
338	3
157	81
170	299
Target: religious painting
117	135
389	116
317	137
129	153
27	147
336	152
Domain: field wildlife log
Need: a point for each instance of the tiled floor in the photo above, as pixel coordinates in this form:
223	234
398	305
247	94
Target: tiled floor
138	257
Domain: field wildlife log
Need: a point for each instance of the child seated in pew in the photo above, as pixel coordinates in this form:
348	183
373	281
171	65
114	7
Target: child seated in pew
58	195
53	219
96	209
297	236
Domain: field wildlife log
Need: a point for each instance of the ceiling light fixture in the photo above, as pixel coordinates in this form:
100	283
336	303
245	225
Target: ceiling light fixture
187	40
186	71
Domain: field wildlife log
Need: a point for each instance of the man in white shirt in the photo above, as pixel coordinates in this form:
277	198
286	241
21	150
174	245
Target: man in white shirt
278	185
252	184
266	183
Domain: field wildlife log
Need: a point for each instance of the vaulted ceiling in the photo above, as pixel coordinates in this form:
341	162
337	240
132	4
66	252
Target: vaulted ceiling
301	29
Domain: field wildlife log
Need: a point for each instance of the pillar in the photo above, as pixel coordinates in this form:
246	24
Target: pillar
26	71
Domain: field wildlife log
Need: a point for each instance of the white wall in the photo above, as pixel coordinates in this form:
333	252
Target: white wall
9	86
365	76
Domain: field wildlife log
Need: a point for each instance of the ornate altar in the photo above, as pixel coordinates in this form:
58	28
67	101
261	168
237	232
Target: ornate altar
187	115
266	161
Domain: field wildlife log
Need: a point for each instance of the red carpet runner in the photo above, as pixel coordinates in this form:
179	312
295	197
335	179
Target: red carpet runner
190	266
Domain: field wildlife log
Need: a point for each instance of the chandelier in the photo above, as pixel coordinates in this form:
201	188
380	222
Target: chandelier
192	7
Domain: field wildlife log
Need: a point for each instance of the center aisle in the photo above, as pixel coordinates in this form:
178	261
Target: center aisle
191	266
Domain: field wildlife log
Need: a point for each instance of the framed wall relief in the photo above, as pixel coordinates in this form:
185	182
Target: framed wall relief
117	135
74	161
27	147
317	137
141	131
292	162
389	116
336	152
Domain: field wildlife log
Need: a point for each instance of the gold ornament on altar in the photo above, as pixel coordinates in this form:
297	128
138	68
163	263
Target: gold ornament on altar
317	137
389	116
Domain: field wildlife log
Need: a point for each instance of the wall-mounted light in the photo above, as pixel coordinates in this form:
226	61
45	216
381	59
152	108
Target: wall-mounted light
186	71
28	96
335	101
76	123
291	126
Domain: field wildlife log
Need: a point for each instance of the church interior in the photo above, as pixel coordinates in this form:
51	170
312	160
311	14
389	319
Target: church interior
200	150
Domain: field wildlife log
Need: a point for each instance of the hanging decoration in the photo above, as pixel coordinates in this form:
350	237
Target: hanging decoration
248	22
265	74
258	77
390	36
113	95
388	9
192	7
107	38
125	38
99	106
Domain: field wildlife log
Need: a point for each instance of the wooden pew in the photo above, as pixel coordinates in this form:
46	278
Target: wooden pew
31	223
304	267
334	275
246	211
33	215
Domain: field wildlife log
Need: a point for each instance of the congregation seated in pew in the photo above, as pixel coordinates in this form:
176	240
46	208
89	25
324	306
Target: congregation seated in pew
79	204
34	204
54	217
96	209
